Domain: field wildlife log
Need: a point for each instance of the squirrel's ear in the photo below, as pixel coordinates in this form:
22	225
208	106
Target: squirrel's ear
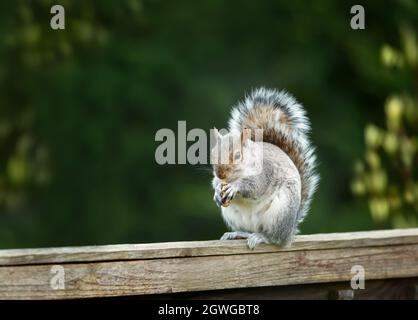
214	136
215	132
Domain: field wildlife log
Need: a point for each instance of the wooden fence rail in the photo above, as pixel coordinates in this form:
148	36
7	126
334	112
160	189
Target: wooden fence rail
205	266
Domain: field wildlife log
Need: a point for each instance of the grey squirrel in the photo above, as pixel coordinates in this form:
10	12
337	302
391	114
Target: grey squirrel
266	188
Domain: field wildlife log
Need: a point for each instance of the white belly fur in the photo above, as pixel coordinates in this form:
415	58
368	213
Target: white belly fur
253	216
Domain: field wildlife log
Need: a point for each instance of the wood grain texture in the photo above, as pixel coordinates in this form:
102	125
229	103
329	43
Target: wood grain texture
202	248
393	289
202	273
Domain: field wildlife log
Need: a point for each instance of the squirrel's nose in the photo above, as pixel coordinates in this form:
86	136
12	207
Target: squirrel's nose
221	174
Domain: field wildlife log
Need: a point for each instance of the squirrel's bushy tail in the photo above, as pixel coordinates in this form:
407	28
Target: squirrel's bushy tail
285	125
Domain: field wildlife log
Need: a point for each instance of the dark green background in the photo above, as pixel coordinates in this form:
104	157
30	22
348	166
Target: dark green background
89	100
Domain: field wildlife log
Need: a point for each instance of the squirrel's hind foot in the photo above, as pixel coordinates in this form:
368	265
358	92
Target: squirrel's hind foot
253	239
256	238
235	235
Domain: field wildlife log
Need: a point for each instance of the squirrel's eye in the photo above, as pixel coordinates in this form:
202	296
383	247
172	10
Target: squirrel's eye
237	155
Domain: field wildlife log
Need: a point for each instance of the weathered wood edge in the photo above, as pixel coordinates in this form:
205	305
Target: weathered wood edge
175	275
202	248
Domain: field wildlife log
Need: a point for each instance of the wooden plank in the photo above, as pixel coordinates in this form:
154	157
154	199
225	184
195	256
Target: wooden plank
202	248
394	289
171	275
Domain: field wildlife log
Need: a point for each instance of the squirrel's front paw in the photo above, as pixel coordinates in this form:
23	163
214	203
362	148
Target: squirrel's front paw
228	193
217	197
224	193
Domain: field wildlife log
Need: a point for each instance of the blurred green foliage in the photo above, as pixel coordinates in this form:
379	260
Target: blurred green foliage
388	176
80	108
